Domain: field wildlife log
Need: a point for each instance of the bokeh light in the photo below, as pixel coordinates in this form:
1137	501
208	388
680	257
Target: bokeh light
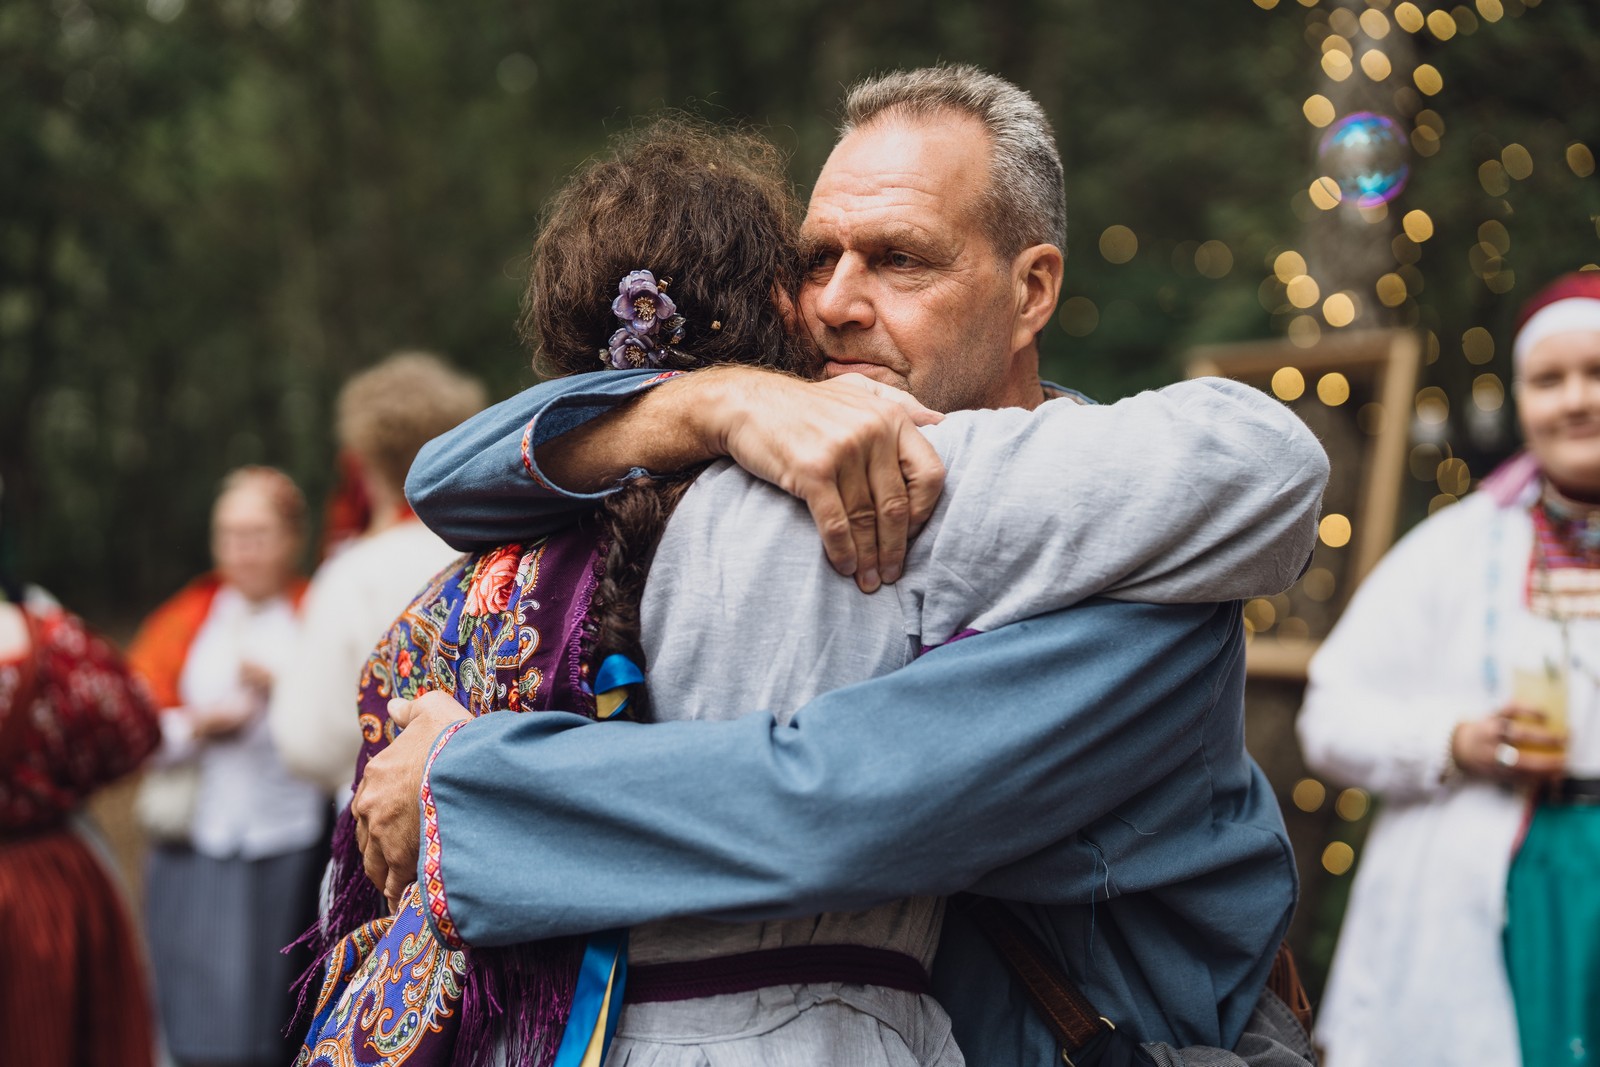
1288	383
1352	804
1428	79
1477	344
1339	310
1453	476
1309	794
1493	177
1334	530
1495	234
1580	159
1079	316
1418	225
1318	110
1391	289
1517	160
1118	244
1488	392
1433	407
1303	291
1304	331
1213	259
1338	858
1325	194
1318	584
1333	389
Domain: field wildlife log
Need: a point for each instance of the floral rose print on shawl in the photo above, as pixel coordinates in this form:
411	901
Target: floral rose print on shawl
493	580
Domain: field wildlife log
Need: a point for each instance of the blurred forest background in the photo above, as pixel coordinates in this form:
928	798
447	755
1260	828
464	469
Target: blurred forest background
213	211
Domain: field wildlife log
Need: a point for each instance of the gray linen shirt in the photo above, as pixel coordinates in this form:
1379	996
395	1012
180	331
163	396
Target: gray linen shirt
1199	492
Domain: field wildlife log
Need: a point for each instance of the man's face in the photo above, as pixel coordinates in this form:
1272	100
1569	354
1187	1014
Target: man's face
905	285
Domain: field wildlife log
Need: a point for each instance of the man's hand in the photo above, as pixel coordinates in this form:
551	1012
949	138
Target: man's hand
388	823
850	449
1502	747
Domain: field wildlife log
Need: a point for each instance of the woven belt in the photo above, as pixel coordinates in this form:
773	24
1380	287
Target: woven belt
1574	792
650	983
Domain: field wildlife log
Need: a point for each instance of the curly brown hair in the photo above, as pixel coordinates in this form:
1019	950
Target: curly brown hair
710	212
707	210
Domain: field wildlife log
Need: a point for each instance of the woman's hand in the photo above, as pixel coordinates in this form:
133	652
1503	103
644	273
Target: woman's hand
1505	747
220	720
256	678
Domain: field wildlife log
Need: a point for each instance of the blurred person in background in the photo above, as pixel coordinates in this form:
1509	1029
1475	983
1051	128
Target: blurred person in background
238	839
73	988
1461	686
385	414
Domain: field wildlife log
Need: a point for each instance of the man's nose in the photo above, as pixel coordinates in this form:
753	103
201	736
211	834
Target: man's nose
846	298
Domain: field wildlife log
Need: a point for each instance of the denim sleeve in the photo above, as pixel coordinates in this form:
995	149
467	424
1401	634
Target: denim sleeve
972	759
479	485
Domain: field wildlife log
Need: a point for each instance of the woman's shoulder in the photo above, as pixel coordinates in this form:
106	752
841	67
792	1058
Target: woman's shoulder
1466	518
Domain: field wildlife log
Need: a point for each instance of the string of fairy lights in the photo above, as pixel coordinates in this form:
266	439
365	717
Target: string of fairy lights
1381	112
1364	162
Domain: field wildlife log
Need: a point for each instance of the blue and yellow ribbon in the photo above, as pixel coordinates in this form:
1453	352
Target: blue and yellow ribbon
612	686
597	1001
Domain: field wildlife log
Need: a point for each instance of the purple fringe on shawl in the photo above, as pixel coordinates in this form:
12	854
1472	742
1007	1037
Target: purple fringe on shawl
516	997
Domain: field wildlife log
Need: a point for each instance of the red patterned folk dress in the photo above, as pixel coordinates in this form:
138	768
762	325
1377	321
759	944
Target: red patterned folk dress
72	981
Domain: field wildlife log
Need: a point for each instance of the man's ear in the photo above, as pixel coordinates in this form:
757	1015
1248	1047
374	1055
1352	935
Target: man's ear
1038	271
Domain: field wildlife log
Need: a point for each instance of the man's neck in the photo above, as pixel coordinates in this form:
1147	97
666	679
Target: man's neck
1022	387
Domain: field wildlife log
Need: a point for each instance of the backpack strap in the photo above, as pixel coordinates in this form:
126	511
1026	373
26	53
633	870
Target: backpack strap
1065	1010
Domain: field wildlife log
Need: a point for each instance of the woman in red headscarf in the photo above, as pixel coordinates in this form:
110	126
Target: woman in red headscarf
1462	686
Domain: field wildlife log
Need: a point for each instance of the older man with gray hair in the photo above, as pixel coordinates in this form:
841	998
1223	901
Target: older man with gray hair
1113	805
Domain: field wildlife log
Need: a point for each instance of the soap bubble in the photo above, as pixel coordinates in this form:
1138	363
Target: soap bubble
1366	154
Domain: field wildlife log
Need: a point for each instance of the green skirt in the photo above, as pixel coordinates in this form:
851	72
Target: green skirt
1553	937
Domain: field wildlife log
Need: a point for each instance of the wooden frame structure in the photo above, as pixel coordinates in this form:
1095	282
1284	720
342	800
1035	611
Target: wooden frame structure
1386	364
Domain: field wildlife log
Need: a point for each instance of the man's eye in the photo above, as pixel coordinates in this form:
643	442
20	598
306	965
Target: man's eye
821	261
900	260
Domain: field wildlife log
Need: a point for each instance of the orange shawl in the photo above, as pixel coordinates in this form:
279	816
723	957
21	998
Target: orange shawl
161	646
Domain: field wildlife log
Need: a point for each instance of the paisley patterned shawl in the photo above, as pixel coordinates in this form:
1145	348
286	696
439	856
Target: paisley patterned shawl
500	631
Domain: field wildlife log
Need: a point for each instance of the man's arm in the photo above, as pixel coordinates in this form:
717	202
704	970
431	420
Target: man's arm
545	824
847	447
1203	491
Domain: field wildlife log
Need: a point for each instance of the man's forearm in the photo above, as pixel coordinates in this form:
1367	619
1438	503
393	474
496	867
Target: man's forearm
899	786
665	429
477	486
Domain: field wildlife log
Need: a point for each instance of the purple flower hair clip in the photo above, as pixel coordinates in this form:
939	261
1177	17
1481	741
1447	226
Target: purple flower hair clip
640	303
650	324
